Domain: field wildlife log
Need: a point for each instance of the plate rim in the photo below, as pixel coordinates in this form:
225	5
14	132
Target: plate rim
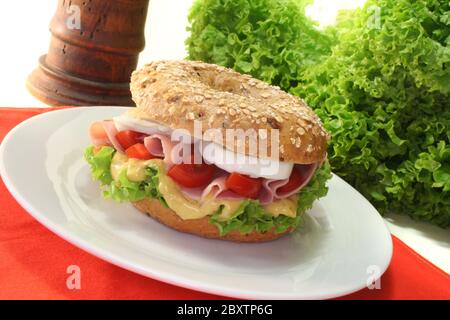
173	279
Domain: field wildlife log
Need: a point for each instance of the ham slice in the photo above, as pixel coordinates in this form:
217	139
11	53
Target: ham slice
308	171
97	140
192	193
161	145
214	189
111	131
270	190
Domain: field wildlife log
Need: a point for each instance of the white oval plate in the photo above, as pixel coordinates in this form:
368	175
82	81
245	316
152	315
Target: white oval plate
343	244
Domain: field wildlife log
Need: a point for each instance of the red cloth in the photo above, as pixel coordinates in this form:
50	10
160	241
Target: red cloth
34	261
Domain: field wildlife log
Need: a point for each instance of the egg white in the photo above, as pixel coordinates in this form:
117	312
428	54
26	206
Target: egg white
249	165
214	153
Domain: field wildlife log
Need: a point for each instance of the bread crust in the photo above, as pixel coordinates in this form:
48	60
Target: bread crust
200	227
177	93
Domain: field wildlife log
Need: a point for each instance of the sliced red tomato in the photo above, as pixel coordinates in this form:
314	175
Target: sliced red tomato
244	185
296	178
192	175
139	151
97	132
127	138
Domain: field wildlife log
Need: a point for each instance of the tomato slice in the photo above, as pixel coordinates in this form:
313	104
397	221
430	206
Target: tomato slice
244	185
97	132
139	151
127	138
296	178
192	175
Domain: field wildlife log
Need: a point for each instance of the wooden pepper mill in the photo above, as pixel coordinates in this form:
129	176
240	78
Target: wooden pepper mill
94	48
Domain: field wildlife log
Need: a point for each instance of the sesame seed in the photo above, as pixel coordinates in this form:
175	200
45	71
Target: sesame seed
172	109
199	99
300	131
316	131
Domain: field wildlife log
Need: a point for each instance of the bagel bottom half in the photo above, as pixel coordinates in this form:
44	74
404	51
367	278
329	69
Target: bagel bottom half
200	227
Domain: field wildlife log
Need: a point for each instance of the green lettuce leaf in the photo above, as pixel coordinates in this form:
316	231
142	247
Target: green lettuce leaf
384	95
272	40
251	215
100	163
315	189
123	189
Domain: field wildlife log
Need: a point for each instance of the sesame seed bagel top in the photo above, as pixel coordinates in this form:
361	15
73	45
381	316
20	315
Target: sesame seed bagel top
178	93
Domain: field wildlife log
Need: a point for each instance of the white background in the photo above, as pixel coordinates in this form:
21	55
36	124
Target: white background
24	37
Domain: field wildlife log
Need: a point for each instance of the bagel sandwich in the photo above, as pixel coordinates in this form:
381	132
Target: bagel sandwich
212	152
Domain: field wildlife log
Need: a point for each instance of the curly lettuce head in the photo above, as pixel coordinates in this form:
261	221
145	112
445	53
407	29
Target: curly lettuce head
384	94
272	40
